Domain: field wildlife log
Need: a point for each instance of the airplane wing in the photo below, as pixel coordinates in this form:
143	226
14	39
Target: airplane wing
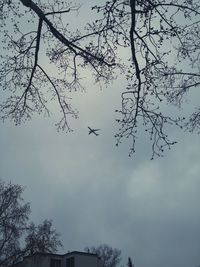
93	130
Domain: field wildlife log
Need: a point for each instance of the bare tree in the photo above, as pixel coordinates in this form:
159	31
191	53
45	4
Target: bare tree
22	70
42	238
13	220
16	233
161	38
110	257
156	32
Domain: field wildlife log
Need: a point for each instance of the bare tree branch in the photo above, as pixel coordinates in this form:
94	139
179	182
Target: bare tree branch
160	37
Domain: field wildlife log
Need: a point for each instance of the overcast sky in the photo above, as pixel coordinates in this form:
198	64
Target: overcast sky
96	194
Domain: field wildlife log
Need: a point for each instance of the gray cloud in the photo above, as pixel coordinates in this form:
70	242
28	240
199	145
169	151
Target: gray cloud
96	194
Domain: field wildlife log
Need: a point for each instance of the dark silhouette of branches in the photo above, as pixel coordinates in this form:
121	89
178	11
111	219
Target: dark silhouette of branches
110	257
31	85
156	33
130	263
161	38
13	220
19	237
42	238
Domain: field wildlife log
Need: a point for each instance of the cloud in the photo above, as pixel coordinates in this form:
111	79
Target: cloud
96	194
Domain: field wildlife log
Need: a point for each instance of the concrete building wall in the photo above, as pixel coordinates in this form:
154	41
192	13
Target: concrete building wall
83	260
39	261
73	259
35	261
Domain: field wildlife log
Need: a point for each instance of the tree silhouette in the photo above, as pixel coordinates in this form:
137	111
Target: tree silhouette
19	237
160	39
130	263
13	220
42	238
110	257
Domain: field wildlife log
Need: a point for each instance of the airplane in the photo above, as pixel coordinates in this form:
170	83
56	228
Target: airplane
93	131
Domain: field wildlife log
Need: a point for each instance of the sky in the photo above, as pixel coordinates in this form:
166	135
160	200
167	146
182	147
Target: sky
96	194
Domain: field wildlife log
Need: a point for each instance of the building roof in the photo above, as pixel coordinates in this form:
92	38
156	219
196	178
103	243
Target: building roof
71	253
64	255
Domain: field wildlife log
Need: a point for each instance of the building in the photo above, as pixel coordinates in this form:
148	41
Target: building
71	259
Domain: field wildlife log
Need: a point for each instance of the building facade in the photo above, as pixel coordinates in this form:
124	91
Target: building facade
71	259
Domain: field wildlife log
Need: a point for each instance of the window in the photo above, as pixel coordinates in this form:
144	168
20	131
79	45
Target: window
55	263
70	262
